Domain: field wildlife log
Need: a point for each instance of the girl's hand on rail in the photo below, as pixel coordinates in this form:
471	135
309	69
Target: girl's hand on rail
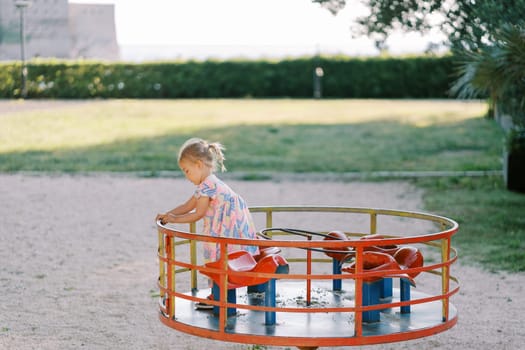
163	218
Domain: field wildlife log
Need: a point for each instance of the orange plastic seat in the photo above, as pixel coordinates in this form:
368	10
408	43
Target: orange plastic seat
266	251
377	261
409	257
345	253
376	287
387	249
242	261
337	253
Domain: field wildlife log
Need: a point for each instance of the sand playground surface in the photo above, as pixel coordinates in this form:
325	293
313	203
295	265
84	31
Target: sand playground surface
78	265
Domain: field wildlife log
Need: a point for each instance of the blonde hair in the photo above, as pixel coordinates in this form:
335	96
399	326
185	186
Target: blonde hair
211	154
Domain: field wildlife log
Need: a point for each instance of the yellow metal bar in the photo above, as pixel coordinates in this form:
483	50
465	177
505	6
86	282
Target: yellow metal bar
330	209
373	223
162	266
182	241
172	275
445	274
309	272
193	257
269	220
358	293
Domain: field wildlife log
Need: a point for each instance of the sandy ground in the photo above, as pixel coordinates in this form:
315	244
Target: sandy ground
78	263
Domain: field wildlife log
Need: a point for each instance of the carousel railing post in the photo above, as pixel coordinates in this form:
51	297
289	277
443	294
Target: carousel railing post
170	253
445	275
269	219
309	273
358	325
193	258
162	267
223	288
373	223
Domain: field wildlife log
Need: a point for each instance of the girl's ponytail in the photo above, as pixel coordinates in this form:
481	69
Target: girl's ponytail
219	158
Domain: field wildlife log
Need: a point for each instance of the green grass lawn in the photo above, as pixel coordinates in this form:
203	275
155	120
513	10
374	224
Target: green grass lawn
260	135
491	219
285	135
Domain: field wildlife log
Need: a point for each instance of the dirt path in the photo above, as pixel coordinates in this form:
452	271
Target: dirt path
78	263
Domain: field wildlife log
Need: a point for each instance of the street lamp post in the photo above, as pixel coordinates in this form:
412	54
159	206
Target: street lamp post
318	87
317	76
21	5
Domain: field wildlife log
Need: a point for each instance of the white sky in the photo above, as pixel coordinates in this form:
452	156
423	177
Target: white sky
259	25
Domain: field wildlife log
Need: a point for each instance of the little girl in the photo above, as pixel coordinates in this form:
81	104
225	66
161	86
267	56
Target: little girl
225	213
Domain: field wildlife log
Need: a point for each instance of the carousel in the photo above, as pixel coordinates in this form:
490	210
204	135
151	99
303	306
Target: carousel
308	288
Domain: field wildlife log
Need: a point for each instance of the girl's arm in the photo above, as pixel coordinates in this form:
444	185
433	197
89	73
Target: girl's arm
185	207
184	214
201	205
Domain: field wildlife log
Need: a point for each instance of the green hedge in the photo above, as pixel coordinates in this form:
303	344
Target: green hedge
413	77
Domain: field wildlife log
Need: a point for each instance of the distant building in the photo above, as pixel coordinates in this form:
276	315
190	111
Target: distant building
93	33
55	28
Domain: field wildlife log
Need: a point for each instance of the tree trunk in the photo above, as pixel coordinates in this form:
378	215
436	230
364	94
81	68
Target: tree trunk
514	170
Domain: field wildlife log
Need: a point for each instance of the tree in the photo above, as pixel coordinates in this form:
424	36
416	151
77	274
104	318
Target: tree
497	71
334	6
488	40
468	24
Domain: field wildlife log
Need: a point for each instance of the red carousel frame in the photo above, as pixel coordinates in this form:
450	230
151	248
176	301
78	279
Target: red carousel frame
310	312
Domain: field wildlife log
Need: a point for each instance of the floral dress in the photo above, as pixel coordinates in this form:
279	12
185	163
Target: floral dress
226	216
